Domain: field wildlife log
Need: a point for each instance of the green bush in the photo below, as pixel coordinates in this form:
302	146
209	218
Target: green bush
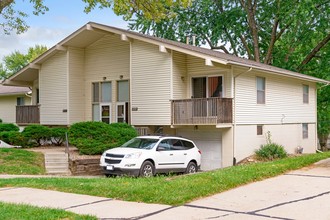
15	138
8	127
36	134
271	151
58	135
96	137
0	120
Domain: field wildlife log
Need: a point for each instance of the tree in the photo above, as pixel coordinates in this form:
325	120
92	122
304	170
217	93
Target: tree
293	35
16	60
13	20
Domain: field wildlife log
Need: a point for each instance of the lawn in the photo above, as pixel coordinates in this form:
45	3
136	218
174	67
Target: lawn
22	212
19	161
171	190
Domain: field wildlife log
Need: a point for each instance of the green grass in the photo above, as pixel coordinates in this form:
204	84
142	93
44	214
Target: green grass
10	211
172	190
19	161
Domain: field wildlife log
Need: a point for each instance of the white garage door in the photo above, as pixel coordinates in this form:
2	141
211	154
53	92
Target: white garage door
209	142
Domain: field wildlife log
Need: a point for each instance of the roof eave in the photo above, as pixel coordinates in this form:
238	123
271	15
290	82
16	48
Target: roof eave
283	73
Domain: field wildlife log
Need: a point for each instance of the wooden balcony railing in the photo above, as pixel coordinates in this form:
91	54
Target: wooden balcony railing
201	111
27	114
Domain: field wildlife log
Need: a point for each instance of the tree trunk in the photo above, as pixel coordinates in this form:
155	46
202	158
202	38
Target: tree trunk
250	8
4	4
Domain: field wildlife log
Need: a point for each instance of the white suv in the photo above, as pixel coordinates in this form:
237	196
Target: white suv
147	155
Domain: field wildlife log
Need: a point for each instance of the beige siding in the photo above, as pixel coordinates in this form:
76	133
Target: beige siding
53	90
105	60
180	77
8	107
76	109
196	67
150	85
284	101
289	135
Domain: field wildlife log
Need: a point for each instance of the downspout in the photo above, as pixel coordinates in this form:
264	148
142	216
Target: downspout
234	114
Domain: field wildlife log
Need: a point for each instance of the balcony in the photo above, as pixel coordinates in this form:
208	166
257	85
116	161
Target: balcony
27	114
202	111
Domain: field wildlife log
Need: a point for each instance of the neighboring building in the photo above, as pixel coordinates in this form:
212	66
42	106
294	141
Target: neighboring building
10	97
224	103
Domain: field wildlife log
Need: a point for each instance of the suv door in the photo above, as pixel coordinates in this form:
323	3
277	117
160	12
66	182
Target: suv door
170	155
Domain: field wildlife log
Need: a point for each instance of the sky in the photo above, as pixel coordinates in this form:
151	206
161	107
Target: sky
63	18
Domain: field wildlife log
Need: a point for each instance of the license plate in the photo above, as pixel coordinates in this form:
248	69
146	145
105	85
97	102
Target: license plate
109	167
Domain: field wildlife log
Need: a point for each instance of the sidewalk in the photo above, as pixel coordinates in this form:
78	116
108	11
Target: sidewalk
301	194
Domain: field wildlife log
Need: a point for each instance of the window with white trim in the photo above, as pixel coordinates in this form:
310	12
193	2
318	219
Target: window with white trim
261	90
305	94
259	130
305	130
20	101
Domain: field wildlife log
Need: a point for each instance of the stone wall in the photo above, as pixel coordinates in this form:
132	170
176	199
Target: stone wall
82	167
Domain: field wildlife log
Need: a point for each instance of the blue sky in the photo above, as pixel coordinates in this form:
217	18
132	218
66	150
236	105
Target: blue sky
63	18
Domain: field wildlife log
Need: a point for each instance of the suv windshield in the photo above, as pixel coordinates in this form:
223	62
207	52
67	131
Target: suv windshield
142	143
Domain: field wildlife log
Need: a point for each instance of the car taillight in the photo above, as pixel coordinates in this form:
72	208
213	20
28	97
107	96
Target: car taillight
199	151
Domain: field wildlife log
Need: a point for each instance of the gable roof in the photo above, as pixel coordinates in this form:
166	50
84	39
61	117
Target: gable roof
13	90
91	32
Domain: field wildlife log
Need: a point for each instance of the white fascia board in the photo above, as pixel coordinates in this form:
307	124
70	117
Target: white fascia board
283	73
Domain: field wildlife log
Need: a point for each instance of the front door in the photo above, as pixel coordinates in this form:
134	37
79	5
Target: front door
105	112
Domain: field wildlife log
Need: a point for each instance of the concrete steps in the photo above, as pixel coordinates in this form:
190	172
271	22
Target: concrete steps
57	163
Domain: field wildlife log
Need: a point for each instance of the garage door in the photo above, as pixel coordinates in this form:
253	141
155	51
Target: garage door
209	142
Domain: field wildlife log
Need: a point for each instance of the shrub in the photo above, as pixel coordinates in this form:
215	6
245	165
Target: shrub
8	127
270	151
58	135
96	137
0	120
36	134
15	138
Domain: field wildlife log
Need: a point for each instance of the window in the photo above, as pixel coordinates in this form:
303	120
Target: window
261	90
20	101
123	91
122	101
259	129
305	94
101	101
206	87
305	130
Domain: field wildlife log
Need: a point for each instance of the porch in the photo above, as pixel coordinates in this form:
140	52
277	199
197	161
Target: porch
27	114
201	111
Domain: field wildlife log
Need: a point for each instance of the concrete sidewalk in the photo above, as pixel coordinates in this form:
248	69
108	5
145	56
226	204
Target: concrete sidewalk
301	194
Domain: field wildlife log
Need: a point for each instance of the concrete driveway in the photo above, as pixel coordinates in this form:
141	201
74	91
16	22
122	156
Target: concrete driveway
302	194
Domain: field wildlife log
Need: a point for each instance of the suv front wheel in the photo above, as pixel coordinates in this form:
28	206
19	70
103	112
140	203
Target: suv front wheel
147	169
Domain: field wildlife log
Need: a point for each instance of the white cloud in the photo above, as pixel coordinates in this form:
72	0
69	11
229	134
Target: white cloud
35	35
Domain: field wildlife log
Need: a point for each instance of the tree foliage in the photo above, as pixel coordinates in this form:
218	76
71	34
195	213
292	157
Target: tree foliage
16	60
12	20
151	9
293	35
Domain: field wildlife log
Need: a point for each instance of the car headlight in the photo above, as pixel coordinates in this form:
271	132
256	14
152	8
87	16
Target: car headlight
133	155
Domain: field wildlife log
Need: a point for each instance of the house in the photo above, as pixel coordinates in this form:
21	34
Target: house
224	103
11	98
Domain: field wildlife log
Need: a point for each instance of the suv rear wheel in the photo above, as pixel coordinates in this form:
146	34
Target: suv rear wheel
191	168
147	169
